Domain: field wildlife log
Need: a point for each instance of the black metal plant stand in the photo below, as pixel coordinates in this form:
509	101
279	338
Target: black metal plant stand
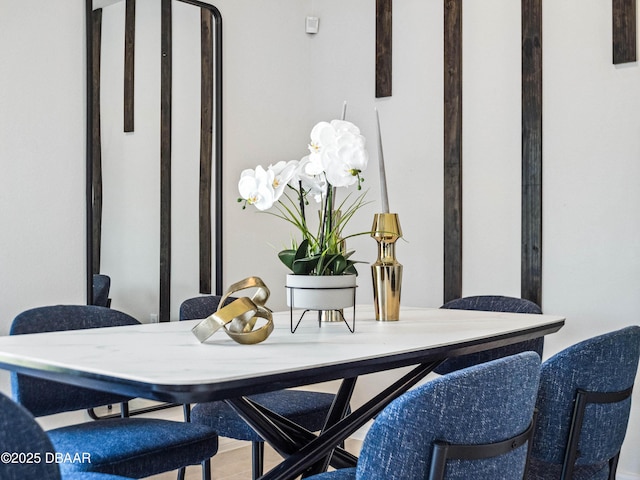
352	327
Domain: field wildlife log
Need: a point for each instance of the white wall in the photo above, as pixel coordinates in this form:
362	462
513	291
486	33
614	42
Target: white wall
42	254
279	81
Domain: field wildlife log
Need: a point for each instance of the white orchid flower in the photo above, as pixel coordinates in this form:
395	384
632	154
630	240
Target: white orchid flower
323	136
338	150
256	187
342	126
344	166
313	184
283	172
337	158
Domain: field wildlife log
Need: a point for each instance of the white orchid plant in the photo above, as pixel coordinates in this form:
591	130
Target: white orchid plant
337	157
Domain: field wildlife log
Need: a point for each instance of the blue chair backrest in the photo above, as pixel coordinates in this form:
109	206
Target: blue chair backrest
606	363
101	287
482	404
201	307
26	444
44	397
494	303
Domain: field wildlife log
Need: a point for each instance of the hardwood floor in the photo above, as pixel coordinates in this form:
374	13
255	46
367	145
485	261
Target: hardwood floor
236	464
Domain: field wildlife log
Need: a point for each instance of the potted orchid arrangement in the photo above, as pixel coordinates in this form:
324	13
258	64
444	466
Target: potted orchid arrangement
337	157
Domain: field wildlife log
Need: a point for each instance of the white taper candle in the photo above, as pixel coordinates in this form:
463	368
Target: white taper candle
383	175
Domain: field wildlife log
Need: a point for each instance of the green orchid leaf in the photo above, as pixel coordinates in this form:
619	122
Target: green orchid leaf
302	250
349	253
351	270
305	266
287	257
339	264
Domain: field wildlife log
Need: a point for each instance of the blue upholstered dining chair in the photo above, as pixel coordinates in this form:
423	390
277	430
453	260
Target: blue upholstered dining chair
492	303
583	408
306	408
101	286
132	447
27	451
475	423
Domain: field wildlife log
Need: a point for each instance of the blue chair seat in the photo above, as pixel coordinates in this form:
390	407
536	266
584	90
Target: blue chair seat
308	409
20	433
131	445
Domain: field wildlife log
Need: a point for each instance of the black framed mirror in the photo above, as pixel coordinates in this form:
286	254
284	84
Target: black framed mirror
154	151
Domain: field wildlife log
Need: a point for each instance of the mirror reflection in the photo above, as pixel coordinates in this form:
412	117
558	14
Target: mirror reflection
155	74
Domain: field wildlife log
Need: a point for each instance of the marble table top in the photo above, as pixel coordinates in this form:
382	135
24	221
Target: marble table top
166	362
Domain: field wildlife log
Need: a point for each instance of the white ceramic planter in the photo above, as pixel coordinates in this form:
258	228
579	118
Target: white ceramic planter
323	292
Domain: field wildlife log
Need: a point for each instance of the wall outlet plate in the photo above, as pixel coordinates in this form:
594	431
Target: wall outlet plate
312	24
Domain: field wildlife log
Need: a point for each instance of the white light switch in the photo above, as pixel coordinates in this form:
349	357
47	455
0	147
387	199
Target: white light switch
311	24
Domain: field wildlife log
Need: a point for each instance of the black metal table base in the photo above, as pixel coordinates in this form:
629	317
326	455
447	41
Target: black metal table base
306	453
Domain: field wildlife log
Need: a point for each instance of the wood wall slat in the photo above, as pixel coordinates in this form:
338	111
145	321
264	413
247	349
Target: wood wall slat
384	36
452	149
531	266
206	147
165	162
624	31
96	147
129	61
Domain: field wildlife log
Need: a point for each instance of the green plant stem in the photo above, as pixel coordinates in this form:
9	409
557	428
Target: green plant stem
301	199
326	217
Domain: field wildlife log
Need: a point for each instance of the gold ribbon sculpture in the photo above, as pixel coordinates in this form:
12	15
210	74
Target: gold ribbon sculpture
240	316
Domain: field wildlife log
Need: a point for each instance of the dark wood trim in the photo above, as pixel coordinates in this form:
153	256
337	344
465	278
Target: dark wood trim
531	266
206	146
88	184
129	63
96	142
165	162
452	149
384	36
624	31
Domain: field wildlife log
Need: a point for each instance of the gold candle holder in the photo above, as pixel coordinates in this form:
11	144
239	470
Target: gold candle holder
386	271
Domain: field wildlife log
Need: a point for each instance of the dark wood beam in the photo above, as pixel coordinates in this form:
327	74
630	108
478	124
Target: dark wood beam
165	162
129	61
531	260
452	149
624	31
384	36
206	146
96	145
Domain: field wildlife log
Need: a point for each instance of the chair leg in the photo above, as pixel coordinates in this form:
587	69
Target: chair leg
257	459
181	473
206	469
613	466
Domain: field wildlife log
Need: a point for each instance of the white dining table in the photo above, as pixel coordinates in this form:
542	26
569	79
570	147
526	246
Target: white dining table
166	362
